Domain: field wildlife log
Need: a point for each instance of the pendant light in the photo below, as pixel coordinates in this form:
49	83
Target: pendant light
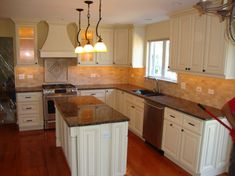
88	48
79	48
99	46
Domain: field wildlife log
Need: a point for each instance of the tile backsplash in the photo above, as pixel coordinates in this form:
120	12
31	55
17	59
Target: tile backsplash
84	75
223	89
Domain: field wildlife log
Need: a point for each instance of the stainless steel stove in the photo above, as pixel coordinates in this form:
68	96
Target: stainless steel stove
50	91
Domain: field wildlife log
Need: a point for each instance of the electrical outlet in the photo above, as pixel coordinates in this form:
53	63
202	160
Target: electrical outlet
30	76
183	85
211	91
93	75
21	76
198	89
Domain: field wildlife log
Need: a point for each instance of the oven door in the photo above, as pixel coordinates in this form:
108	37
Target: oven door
49	113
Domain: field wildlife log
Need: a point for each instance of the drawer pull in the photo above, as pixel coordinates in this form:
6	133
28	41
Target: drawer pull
191	124
27	97
182	130
133	106
29	120
29	108
93	94
172	116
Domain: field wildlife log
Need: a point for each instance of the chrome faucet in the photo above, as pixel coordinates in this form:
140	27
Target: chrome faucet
157	87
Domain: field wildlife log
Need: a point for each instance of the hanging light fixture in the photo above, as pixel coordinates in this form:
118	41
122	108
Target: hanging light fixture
222	8
88	47
79	48
99	46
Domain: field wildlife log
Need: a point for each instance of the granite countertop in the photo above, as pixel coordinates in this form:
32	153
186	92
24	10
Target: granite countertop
87	110
28	89
179	104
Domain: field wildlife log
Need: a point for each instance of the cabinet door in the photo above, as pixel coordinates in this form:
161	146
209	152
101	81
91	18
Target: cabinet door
139	120
189	153
106	58
171	139
26	44
121	46
185	41
130	109
174	44
90	145
110	98
199	35
120	102
214	62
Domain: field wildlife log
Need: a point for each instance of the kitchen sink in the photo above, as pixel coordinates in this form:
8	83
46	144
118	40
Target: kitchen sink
146	92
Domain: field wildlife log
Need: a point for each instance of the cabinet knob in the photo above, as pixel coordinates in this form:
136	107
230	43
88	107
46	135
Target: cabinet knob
36	63
189	68
113	62
79	63
97	62
168	66
203	70
182	130
171	124
133	106
186	68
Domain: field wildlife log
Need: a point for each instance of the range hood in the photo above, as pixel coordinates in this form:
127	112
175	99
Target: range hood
57	44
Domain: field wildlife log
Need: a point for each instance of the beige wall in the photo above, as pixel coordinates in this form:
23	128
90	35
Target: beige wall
7	28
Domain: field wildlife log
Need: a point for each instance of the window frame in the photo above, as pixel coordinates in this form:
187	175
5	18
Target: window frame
164	40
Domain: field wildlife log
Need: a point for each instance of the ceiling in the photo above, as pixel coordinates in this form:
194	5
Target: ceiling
113	11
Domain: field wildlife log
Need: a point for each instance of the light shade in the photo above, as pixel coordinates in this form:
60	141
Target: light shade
79	49
88	48
100	47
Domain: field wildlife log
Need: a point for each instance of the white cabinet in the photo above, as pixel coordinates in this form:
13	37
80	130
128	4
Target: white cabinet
120	102
195	144
29	111
199	45
137	46
97	150
26	43
135	112
121	46
106	58
110	97
98	93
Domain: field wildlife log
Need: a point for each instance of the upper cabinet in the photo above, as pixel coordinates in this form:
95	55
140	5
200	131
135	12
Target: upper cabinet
121	46
199	45
26	43
106	58
137	46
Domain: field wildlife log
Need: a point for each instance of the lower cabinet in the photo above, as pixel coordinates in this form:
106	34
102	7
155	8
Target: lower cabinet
98	93
200	147
97	150
110	98
29	111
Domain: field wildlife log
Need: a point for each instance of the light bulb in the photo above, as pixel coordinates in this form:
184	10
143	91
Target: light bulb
88	48
79	49
100	47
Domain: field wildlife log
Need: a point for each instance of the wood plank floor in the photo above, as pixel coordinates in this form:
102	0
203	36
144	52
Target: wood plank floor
34	154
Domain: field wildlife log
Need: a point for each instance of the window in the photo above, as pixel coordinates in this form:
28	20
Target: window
158	61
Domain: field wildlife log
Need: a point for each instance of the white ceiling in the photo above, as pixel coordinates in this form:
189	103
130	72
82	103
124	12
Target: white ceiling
113	11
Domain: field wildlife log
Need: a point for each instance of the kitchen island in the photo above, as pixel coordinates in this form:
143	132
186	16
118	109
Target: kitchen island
93	136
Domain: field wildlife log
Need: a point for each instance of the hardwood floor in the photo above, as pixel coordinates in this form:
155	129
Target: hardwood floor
34	154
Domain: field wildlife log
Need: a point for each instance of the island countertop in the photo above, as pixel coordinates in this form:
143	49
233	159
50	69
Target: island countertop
87	110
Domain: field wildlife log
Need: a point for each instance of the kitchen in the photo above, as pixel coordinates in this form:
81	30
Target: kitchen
119	78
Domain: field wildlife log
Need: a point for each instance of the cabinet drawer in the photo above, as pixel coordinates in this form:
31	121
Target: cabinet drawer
174	116
192	124
28	108
96	93
34	96
28	120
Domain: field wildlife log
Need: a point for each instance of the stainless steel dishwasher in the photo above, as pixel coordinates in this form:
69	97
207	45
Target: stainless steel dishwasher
153	123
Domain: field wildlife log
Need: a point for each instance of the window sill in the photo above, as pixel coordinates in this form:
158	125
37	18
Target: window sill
162	79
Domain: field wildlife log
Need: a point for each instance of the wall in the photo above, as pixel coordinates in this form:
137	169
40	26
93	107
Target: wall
224	89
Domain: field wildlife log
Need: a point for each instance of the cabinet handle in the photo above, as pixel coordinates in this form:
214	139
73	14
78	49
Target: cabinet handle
189	68
113	62
133	106
172	116
171	124
97	62
93	94
27	97
29	120
191	124
168	66
36	63
186	68
203	70
79	62
182	130
29	108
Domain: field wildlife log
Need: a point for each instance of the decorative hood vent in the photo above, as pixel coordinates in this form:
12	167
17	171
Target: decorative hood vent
57	43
